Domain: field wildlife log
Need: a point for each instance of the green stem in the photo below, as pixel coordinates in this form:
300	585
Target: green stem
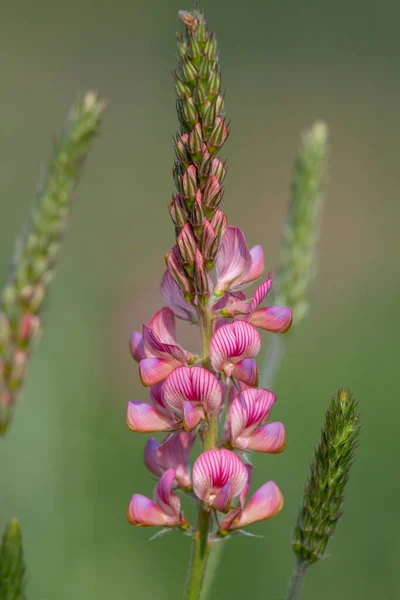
201	544
296	580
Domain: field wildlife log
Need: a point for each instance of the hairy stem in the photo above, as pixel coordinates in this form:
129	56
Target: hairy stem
296	580
201	544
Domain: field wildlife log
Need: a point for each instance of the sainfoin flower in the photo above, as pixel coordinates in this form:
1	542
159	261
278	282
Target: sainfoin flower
208	268
246	428
218	477
163	510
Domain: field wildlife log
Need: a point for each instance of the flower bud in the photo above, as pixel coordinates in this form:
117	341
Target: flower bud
210	49
18	369
208	244
182	90
209	116
201	279
195	140
217	136
190	21
218	169
197	215
189	71
219	223
189	184
29	327
204	68
212	194
181	150
177	272
200	93
214	84
178	211
195	49
187	247
189	112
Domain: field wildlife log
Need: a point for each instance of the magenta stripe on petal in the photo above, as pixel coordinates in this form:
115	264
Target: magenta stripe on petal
233	342
270	438
213	469
158	348
277	319
265	503
154	370
143	418
163	323
193	384
249	410
143	512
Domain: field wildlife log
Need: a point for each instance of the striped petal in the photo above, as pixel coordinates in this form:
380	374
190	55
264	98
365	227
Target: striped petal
265	503
270	438
158	348
143	418
249	410
272	318
231	343
143	512
173	297
233	259
213	469
223	499
154	370
163	323
192	384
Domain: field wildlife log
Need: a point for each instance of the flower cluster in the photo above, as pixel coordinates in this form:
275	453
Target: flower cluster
207	270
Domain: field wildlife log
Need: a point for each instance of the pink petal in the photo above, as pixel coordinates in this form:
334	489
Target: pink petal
246	371
233	259
150	456
249	410
163	323
143	512
143	418
231	343
257	265
154	370
191	415
243	495
194	384
270	438
174	452
136	345
163	496
155	345
265	503
223	499
260	293
173	297
213	469
157	398
272	318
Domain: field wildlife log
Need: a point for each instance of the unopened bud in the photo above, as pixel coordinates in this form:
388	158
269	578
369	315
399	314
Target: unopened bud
195	140
189	71
189	183
208	245
178	211
29	328
177	272
197	215
189	112
209	116
218	169
191	22
204	69
219	223
212	193
217	136
182	90
182	151
187	247
214	84
18	369
201	279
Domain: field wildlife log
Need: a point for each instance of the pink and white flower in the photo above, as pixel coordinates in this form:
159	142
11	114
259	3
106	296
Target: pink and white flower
156	348
232	350
246	428
218	477
173	452
191	394
164	510
236	265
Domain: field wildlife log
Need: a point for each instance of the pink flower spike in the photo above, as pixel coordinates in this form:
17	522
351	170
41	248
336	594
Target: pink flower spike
173	297
233	259
265	503
270	438
277	319
143	418
212	470
136	345
195	385
232	343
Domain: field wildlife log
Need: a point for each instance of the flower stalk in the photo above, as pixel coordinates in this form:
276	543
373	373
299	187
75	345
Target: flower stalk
36	252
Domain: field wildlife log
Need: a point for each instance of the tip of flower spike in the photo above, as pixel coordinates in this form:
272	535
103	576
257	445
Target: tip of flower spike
190	21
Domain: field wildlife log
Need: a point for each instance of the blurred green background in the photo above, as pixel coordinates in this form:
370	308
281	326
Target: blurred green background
69	464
